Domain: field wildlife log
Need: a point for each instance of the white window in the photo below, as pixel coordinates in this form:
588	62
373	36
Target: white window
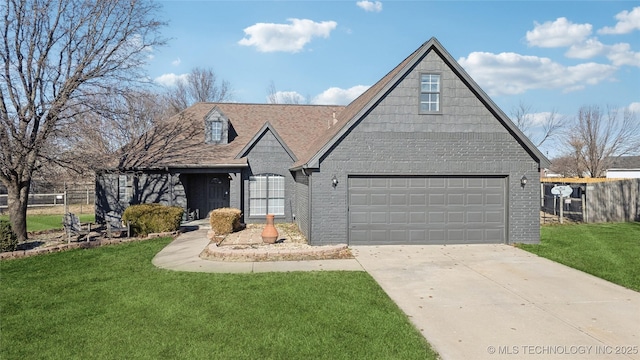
429	93
125	188
266	195
216	131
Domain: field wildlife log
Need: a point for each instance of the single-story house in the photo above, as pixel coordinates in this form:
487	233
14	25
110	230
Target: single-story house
424	156
624	167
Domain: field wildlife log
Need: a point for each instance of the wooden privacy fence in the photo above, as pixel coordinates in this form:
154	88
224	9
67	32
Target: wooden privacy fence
593	200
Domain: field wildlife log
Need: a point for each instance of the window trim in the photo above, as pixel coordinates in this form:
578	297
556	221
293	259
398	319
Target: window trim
439	93
268	197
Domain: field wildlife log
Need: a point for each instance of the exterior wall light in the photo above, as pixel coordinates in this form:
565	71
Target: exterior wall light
334	181
523	181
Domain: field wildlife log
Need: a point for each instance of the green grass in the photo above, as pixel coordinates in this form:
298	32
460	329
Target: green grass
49	222
111	303
610	251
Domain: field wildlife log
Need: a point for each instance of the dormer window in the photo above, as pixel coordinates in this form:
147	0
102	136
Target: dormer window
216	127
216	131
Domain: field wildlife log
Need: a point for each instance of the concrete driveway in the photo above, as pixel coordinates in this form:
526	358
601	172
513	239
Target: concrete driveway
500	302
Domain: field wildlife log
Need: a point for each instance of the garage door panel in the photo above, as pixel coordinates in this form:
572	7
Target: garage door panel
398	217
436	199
426	210
436	217
359	199
398	199
378	199
379	218
359	218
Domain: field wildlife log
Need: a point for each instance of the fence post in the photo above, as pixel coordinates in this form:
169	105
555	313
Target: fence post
584	207
561	207
66	204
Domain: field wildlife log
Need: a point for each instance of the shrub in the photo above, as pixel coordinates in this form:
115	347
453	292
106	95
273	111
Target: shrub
8	239
152	218
225	220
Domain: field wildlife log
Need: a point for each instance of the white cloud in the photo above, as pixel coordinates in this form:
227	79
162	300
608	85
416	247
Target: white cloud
559	33
371	6
628	21
268	37
619	54
338	96
635	107
586	50
511	73
170	79
176	62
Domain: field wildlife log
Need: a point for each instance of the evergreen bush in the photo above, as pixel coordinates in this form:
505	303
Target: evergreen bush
8	239
152	218
225	220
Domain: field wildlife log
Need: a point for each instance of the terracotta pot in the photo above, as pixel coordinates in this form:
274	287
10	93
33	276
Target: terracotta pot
270	233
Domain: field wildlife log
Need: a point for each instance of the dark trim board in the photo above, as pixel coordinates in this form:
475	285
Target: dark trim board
454	209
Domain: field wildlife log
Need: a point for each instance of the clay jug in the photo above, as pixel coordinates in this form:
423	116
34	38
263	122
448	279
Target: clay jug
270	233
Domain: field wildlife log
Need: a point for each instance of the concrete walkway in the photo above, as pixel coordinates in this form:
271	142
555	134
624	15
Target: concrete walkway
500	302
182	254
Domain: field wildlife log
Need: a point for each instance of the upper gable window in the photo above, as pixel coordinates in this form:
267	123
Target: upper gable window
429	93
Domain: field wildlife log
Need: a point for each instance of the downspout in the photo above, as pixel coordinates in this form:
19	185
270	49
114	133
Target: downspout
309	201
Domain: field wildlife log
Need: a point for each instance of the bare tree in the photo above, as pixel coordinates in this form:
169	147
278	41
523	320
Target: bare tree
282	97
56	54
108	125
200	85
597	138
538	129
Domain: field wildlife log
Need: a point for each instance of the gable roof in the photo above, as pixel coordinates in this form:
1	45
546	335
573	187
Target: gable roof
293	125
266	127
625	163
361	106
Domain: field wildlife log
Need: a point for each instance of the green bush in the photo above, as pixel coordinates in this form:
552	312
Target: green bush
152	218
225	220
8	239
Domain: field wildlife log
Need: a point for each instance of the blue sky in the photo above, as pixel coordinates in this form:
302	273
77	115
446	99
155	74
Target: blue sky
549	55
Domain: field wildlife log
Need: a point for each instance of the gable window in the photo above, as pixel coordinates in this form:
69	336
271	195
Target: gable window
429	93
216	131
266	195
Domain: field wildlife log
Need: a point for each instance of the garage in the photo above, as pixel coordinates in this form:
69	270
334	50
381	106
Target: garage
426	210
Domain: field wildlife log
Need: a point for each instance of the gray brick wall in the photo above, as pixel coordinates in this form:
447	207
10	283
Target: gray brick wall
269	157
394	139
302	202
162	188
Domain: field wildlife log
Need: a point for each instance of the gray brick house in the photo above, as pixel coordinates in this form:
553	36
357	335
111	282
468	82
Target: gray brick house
424	156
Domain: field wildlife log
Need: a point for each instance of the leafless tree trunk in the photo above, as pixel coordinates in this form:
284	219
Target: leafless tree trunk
54	55
201	85
597	138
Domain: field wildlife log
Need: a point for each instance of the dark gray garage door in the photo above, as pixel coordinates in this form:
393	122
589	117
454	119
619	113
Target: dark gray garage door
426	210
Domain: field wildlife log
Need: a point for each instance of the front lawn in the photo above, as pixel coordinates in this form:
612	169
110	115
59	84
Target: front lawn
49	222
111	302
610	251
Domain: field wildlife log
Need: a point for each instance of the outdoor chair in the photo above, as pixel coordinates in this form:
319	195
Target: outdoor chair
73	227
115	225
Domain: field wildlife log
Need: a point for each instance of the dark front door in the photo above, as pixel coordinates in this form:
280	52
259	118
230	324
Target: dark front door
218	194
206	192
